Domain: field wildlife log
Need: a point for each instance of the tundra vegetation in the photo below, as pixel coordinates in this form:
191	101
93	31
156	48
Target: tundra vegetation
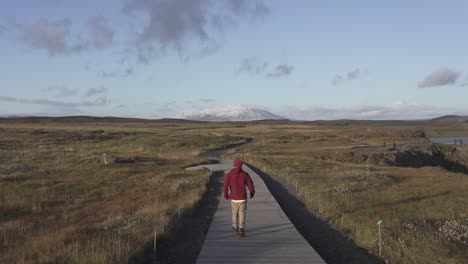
345	176
61	203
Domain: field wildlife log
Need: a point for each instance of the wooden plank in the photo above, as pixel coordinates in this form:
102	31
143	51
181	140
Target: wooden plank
270	235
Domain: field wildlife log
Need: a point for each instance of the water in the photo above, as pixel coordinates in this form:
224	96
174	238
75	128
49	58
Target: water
450	140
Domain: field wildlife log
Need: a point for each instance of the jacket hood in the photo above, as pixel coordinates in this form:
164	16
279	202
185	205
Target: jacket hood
238	163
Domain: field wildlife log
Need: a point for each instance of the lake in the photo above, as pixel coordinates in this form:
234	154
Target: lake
449	140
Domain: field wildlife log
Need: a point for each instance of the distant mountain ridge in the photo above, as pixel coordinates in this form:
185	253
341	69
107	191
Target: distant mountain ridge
217	114
448	118
230	113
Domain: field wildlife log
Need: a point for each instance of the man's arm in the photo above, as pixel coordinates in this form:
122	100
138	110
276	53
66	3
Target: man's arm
250	185
226	186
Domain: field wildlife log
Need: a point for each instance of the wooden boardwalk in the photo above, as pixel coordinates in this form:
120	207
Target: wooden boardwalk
270	236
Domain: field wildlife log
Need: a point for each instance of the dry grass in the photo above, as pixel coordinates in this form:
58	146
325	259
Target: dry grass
58	204
424	210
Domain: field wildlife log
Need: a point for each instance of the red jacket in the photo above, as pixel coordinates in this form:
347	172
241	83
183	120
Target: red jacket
236	180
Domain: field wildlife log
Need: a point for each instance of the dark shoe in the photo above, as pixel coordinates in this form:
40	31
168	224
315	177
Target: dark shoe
234	229
241	232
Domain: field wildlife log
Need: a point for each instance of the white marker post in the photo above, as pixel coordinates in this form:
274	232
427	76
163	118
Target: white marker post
342	219
380	238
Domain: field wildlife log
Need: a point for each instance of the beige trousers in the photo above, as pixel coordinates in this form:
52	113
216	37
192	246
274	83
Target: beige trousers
239	209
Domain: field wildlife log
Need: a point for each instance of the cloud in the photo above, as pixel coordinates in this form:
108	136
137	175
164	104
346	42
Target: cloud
53	36
101	101
129	71
349	76
281	70
102	36
395	110
177	24
48	111
250	8
253	66
441	77
61	91
207	100
95	91
116	74
109	74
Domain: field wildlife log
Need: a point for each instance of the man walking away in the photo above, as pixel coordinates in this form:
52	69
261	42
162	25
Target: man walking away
234	188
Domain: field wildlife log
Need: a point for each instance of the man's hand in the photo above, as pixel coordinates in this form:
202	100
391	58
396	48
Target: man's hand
252	195
226	197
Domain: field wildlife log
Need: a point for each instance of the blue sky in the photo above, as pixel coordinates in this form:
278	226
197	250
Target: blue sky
299	59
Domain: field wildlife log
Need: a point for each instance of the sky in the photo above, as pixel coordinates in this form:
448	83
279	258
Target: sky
299	59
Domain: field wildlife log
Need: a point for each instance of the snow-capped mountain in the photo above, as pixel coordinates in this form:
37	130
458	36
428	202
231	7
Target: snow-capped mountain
229	113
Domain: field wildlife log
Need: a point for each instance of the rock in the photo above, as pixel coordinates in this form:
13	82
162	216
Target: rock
105	159
420	156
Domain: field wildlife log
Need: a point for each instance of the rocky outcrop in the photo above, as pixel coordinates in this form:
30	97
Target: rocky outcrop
426	155
111	159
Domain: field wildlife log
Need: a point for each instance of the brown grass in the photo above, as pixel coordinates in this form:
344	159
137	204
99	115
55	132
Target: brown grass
424	210
58	204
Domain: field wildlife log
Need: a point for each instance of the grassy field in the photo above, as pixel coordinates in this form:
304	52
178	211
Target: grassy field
424	210
60	204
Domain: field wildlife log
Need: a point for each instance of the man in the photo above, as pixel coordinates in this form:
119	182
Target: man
235	181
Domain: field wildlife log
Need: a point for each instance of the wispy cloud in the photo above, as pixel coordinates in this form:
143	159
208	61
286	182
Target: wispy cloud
102	36
101	101
172	25
56	36
65	92
464	84
109	74
441	77
207	100
129	71
95	91
253	66
117	74
396	110
281	70
61	91
51	35
349	76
